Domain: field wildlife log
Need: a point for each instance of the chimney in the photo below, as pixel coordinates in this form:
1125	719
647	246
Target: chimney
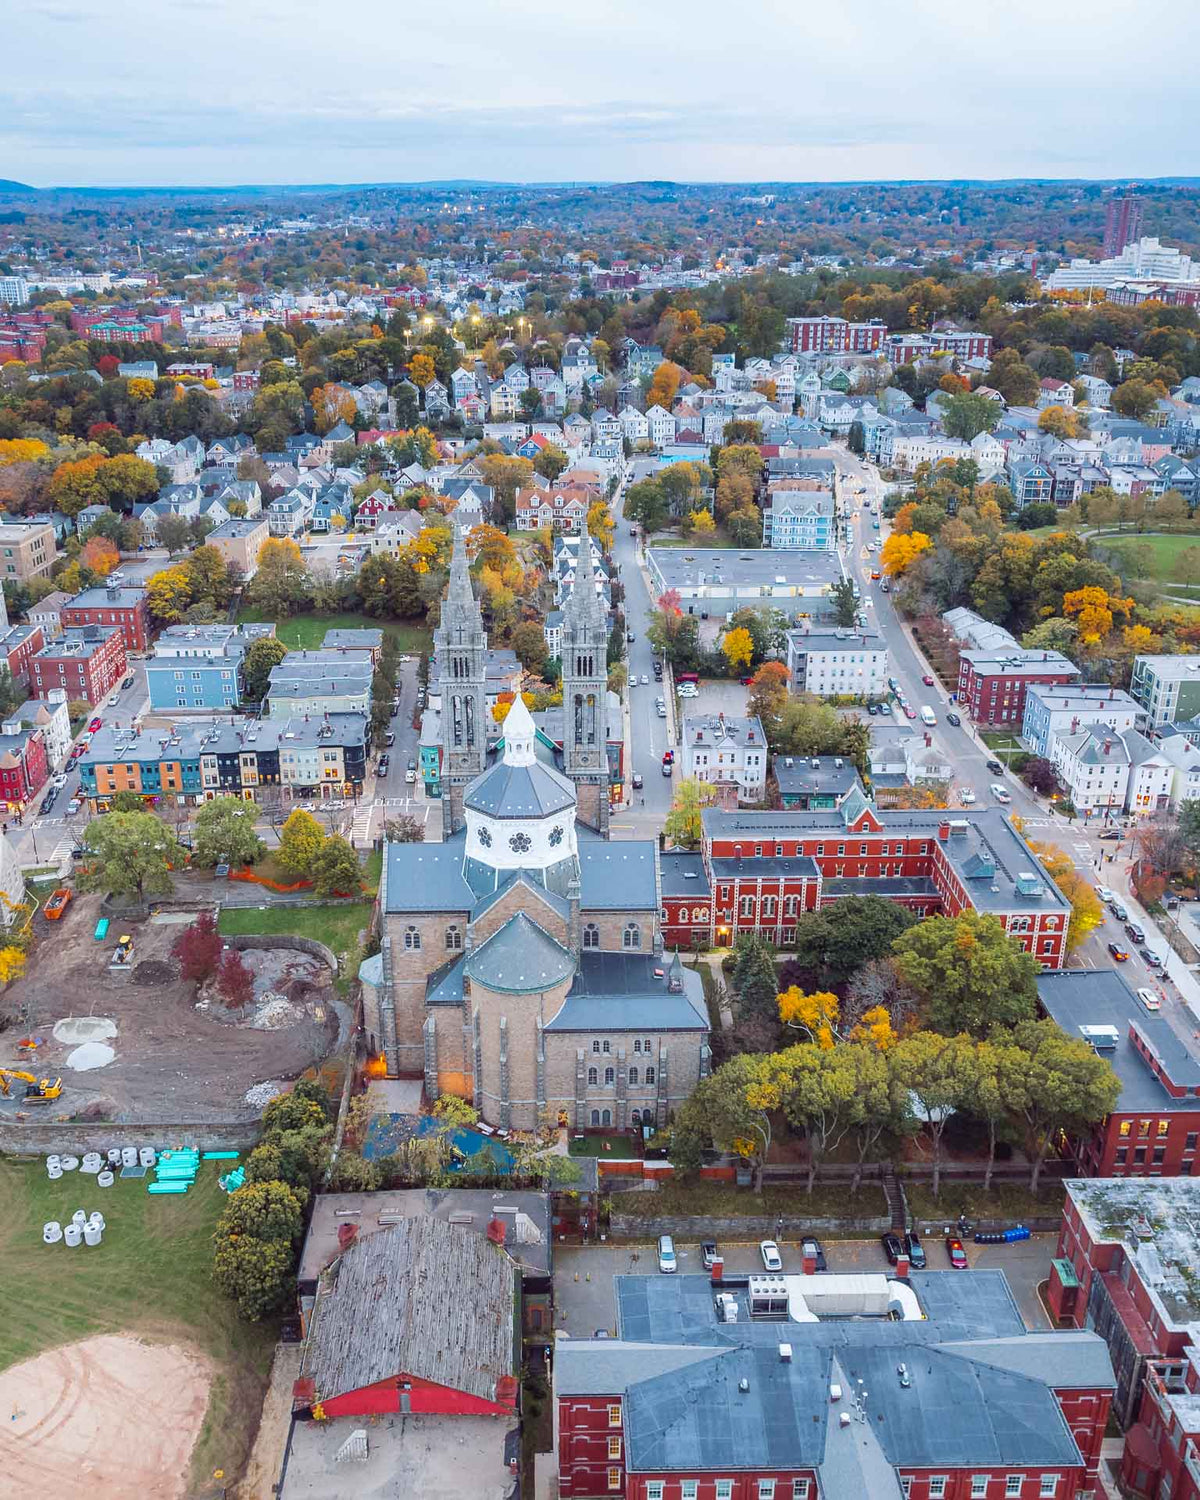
808	1263
902	1266
943	831
1107	746
718	1270
346	1235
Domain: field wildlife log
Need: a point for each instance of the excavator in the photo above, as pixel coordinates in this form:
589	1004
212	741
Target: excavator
37	1091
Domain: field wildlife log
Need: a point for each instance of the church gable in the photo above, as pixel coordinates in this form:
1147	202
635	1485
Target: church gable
521	896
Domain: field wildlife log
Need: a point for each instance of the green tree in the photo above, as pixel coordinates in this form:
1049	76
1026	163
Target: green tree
969	974
933	1069
223	833
335	869
174	533
267	652
683	825
130	854
646	504
299	841
282	583
755	979
845	603
835	941
127	802
550	462
996	1072
255	1274
529	642
1135	398
1068	1089
968	415
731	1110
818	1087
265	1211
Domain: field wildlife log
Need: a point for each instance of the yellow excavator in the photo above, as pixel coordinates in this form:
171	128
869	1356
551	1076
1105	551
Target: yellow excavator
37	1091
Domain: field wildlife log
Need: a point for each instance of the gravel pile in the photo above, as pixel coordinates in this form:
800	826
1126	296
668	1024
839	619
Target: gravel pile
262	1094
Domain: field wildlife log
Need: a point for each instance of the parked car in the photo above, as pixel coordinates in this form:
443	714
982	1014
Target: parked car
1151	959
708	1253
1120	955
916	1251
1149	999
661	710
771	1258
382	768
954	1249
688	690
954	719
927	679
127	680
667	768
667	1263
909	711
638	781
812	1247
1134	933
668	757
389	738
1120	912
410	774
995	767
73	806
630	637
892	1246
95	724
48	801
885	587
967	796
1105	895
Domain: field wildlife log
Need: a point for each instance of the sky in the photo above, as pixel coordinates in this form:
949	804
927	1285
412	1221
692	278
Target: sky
218	92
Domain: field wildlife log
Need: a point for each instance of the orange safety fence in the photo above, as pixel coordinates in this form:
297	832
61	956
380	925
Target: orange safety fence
249	875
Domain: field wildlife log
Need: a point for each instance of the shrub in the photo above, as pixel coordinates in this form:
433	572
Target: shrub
197	949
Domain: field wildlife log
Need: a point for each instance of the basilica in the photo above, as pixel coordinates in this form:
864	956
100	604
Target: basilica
521	963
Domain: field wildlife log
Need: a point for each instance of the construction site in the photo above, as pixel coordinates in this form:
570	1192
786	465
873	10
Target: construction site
103	1027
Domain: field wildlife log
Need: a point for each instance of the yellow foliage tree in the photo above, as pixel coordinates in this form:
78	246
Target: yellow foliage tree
140	389
600	524
664	385
902	521
738	647
169	593
875	1029
1086	912
816	1013
900	551
421	370
1093	610
12	964
21	451
700	523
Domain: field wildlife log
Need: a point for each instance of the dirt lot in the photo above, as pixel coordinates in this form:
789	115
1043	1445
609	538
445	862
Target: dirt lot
172	1062
111	1416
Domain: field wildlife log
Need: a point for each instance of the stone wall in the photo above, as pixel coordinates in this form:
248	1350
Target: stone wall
39	1137
286	940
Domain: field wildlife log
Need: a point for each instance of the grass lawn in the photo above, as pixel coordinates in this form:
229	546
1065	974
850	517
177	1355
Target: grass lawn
1166	559
1001	742
719	1201
620	1147
150	1275
337	926
306	632
1008	1201
717	539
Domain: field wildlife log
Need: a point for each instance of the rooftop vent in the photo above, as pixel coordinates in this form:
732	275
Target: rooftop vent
743	1385
785	1353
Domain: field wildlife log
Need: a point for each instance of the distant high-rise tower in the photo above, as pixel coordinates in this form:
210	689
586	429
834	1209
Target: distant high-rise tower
585	688
1122	223
460	646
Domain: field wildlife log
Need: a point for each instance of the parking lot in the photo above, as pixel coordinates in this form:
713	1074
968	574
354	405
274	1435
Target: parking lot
716	696
583	1275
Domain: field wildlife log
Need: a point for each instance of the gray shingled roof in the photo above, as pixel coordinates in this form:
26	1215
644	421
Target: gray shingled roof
520	958
623	992
427	877
604	1367
423	1298
508	791
619	875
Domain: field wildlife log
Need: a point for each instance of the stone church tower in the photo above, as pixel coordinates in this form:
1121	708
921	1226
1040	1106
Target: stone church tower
460	648
585	689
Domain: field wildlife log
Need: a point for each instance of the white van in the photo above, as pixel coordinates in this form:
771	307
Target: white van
1149	999
927	715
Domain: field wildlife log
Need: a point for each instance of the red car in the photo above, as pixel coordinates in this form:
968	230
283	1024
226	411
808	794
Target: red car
94	725
668	757
927	680
954	1249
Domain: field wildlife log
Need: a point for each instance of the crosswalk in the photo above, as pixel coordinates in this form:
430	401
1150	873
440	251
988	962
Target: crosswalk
360	829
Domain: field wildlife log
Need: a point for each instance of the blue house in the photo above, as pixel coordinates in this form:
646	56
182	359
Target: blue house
200	666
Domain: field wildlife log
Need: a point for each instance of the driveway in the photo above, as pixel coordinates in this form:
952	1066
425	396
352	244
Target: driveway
583	1275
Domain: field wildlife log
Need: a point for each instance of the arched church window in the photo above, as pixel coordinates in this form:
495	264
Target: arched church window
591	935
632	937
593	1075
412	937
453	939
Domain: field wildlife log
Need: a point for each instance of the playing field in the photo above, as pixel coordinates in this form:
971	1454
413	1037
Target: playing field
150	1277
1164	559
306	632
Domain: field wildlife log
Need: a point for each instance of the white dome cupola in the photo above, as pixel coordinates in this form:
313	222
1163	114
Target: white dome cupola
520	813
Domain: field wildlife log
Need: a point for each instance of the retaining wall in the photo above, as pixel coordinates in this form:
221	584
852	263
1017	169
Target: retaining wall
39	1137
285	940
700	1227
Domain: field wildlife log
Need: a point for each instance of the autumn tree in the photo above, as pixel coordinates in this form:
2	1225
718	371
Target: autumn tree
970	975
421	370
100	555
282	583
816	1014
235	982
299	841
738	647
665	384
933	1068
683	824
197	948
731	1110
901	550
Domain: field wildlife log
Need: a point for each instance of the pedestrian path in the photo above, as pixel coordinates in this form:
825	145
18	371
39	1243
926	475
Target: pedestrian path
360	829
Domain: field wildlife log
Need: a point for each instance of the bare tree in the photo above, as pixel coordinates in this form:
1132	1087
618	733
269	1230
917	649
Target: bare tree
1161	846
877	983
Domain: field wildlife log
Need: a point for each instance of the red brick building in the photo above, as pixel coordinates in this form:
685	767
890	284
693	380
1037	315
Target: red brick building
1155	1129
17	645
757	872
992	684
904	348
1124	1267
23	764
112	604
825	335
803	1404
86	663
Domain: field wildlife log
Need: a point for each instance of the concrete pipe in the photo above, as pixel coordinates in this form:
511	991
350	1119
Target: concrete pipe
105	1179
73	1235
51	1233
